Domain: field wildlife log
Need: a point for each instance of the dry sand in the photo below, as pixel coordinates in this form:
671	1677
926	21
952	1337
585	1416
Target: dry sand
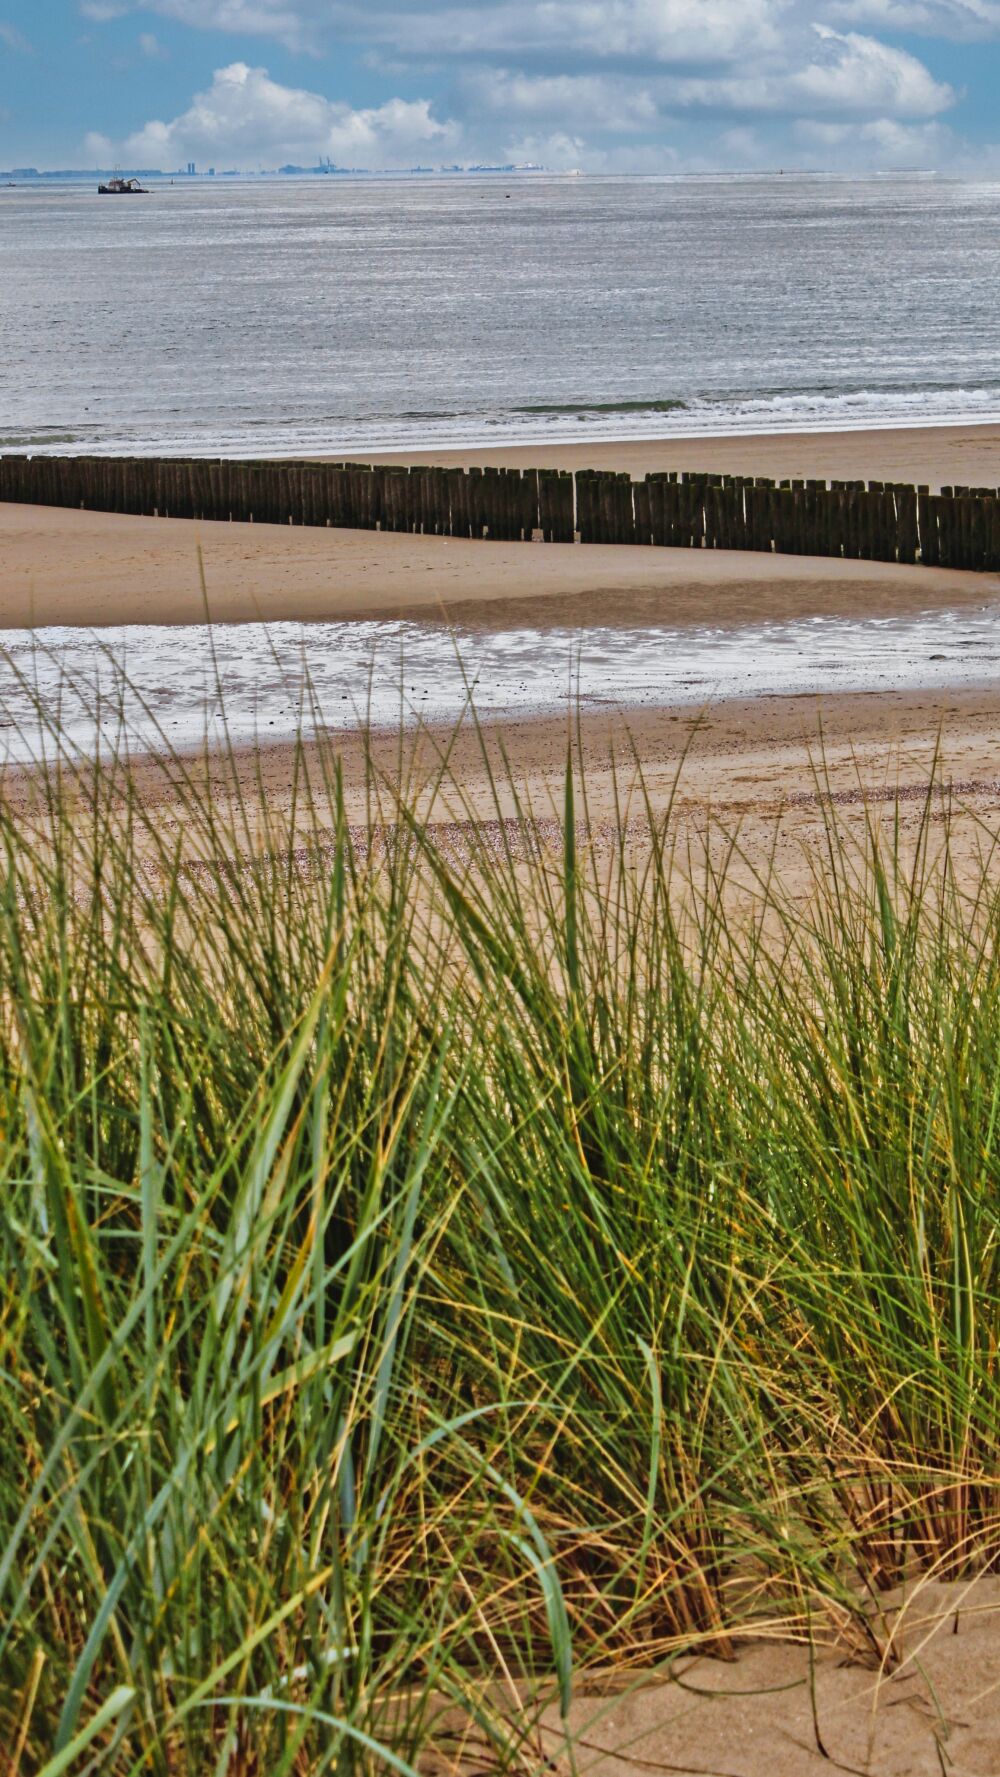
767	772
935	1709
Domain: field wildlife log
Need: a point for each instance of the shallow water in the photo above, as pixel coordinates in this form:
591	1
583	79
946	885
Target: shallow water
171	684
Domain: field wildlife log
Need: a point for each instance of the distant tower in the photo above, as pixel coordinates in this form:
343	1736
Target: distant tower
191	168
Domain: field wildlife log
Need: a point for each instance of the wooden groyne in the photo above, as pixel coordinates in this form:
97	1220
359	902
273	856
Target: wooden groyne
959	527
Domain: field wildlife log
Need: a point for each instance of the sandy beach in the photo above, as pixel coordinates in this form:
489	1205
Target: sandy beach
92	568
748	761
500	1041
766	772
69	567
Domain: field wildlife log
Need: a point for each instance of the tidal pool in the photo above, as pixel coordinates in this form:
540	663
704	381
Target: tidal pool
173	685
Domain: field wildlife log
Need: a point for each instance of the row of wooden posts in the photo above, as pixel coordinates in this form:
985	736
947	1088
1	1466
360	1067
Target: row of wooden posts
874	521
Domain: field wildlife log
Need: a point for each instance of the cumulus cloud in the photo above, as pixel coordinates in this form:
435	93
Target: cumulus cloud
591	83
856	73
847	73
964	20
245	116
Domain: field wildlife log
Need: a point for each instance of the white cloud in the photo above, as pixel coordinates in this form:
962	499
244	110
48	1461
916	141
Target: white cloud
285	23
245	117
846	73
962	19
599	84
561	152
151	47
883	142
103	11
98	150
664	31
669	33
858	73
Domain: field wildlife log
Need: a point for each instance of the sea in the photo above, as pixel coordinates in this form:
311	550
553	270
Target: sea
270	317
289	317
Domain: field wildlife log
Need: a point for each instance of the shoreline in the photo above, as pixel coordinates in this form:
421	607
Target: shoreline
511	448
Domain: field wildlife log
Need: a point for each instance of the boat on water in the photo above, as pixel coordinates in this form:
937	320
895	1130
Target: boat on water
118	187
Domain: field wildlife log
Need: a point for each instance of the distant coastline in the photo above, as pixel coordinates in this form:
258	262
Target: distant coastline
68	175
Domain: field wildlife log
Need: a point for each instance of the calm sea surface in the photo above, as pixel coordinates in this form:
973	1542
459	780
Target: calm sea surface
260	318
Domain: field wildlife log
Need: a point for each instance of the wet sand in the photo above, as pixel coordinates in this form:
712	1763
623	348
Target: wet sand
767	772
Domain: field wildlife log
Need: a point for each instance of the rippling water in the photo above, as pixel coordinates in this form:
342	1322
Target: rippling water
260	318
172	683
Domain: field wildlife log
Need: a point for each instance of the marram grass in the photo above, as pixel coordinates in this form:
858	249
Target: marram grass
427	1283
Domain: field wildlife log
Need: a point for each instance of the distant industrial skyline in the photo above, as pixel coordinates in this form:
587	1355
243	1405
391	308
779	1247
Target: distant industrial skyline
603	85
196	173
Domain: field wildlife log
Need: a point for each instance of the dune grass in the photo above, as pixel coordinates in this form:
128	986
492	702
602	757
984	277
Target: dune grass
428	1283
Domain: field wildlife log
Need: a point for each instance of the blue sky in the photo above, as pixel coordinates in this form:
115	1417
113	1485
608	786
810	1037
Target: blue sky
604	85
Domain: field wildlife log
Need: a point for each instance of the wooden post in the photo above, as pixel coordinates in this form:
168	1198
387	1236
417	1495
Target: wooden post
475	497
616	532
528	504
564	509
604	513
946	528
642	523
655	485
584	504
546	504
683	528
905	500
715	523
991	532
458	490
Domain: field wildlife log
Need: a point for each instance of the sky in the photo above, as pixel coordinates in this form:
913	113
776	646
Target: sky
599	85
